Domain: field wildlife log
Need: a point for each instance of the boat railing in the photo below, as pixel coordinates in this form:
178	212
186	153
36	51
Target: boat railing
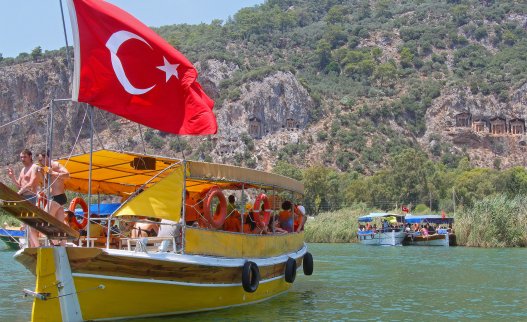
381	230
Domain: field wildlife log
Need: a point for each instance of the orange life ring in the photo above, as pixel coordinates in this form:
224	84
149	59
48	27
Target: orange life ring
216	220
262	222
42	201
79	201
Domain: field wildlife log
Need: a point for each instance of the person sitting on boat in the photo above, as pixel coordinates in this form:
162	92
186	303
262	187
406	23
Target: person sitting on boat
252	227
71	221
144	229
286	216
274	226
169	228
385	225
299	218
424	231
232	222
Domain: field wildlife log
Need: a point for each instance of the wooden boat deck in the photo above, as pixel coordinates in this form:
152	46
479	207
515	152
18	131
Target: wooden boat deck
13	204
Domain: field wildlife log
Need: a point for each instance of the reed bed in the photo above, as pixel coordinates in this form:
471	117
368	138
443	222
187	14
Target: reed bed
497	221
333	227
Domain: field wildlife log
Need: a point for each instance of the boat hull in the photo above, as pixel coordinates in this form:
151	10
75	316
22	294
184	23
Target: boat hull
430	240
134	284
392	238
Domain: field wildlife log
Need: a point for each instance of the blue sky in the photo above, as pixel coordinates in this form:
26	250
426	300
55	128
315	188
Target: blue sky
26	24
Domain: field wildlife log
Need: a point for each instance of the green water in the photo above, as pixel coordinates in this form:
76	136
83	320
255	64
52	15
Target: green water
358	283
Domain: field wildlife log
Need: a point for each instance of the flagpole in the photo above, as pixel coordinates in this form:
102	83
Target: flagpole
65	34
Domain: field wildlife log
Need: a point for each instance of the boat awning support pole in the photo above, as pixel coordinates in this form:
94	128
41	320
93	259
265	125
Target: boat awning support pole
90	173
243	204
183	209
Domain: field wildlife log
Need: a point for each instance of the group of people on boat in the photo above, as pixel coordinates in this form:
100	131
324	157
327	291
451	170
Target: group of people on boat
33	180
34	177
290	218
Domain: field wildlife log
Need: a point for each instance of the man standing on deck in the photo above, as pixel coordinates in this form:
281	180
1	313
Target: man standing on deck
58	174
28	183
29	179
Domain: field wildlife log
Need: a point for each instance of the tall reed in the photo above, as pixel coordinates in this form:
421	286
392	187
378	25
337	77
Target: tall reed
333	227
497	221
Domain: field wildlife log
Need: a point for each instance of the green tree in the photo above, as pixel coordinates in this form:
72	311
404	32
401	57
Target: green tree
406	57
385	73
287	169
323	52
36	54
336	15
315	188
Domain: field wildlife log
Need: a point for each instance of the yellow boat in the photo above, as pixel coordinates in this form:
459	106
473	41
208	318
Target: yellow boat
193	269
204	269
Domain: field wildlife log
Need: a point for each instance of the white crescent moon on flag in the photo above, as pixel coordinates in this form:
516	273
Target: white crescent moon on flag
114	42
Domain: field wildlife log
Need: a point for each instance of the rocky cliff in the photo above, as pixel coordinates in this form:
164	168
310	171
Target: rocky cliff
266	116
269	114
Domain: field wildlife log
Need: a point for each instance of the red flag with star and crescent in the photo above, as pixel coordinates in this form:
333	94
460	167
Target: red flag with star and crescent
125	68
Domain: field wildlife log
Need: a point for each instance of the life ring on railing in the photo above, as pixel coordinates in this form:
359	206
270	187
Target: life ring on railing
262	222
250	277
79	201
290	270
216	220
307	264
42	201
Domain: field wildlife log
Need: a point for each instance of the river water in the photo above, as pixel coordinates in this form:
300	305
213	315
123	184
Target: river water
359	283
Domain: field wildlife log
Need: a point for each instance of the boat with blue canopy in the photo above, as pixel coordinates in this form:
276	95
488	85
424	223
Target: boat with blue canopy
13	237
430	230
380	228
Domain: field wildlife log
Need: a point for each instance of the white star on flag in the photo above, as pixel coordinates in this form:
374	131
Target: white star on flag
169	69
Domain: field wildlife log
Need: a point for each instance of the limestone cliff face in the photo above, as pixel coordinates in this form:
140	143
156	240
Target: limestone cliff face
267	114
272	112
483	146
27	88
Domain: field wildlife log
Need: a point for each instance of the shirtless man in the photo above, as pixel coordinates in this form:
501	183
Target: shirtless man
29	179
58	174
28	183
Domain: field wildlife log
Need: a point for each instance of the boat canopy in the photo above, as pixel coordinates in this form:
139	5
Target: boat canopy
123	173
433	219
371	216
153	186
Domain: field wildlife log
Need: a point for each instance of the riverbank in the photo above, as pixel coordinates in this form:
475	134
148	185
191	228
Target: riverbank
492	222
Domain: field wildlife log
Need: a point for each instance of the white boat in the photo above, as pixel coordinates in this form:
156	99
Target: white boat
438	233
381	229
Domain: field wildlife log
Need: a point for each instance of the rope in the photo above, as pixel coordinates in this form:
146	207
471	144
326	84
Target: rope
141	134
121	146
72	148
13	238
23	117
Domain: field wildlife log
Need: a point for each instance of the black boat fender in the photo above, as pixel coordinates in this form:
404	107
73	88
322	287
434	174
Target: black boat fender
290	270
307	264
250	277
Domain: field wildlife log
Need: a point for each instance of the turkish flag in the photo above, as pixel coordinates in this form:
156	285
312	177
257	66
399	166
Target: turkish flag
125	68
405	209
